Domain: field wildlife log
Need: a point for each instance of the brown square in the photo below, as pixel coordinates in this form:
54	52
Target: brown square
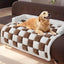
23	20
16	32
15	23
26	34
46	55
7	29
34	32
41	46
30	43
9	36
52	27
37	38
48	35
19	39
15	43
48	41
6	40
59	26
15	27
54	30
2	33
24	47
35	51
25	29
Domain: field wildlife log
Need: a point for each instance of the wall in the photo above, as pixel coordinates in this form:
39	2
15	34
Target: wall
26	0
62	2
58	2
6	3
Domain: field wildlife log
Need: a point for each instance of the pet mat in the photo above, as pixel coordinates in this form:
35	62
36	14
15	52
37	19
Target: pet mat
27	40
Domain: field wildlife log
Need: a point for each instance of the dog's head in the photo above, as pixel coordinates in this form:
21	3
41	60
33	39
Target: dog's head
44	15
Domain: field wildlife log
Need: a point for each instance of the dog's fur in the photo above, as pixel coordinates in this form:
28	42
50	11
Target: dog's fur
40	24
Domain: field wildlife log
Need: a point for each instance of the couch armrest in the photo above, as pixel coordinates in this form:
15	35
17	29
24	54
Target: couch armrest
6	19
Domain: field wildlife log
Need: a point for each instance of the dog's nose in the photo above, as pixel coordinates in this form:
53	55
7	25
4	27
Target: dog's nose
49	15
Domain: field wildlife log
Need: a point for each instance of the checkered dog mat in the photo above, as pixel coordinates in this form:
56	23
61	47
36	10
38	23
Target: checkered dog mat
28	41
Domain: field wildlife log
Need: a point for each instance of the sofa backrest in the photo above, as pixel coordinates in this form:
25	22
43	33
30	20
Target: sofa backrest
19	7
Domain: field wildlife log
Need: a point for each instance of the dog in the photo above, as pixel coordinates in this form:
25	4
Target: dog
40	24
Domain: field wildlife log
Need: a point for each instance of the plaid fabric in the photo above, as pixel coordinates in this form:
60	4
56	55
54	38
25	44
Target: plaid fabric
28	41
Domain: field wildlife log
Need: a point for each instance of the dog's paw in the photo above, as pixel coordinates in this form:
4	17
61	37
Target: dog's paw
54	33
17	24
39	32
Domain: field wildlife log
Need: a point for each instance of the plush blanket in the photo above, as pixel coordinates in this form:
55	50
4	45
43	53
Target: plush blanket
27	40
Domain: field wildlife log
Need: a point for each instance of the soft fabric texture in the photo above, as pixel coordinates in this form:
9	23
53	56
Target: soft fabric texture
27	40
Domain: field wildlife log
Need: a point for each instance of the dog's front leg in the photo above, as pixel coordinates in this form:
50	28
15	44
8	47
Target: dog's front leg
39	32
55	62
52	32
22	24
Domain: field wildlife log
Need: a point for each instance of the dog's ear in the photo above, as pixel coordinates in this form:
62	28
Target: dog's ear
40	18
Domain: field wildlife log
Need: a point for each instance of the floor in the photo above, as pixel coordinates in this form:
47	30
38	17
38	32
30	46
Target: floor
12	56
5	11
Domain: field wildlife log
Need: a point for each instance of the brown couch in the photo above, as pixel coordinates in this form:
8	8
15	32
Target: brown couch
57	12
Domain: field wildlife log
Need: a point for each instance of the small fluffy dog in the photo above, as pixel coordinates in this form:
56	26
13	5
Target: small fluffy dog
40	24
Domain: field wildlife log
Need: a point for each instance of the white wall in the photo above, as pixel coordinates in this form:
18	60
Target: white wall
62	2
26	0
58	2
41	1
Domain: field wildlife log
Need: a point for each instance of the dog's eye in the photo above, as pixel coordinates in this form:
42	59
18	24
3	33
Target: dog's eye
44	13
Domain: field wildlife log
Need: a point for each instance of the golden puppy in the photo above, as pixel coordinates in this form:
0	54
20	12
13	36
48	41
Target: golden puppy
40	24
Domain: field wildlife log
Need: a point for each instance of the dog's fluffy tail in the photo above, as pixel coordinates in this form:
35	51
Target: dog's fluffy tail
22	24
